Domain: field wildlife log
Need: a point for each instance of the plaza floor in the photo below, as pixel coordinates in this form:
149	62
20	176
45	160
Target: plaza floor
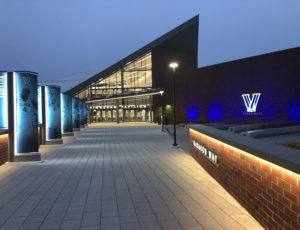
116	177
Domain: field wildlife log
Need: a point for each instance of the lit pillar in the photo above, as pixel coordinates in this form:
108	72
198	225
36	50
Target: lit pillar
22	116
66	115
51	109
81	113
75	114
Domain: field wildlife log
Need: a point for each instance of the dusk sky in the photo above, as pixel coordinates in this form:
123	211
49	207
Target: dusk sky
71	40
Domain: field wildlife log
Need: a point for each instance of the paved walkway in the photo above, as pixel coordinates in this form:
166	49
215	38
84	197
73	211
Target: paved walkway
118	177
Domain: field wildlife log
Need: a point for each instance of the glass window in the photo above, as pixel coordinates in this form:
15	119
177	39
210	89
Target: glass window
137	76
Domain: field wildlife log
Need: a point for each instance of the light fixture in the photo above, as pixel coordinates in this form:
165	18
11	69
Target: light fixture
173	65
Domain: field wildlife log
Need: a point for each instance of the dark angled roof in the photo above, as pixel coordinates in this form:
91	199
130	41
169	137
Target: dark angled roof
168	36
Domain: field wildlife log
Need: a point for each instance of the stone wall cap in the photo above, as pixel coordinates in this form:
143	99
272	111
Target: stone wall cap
282	156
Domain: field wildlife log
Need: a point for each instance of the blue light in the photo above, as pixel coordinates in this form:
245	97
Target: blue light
193	114
294	116
215	113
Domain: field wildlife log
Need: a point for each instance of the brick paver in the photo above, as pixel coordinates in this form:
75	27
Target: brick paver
116	177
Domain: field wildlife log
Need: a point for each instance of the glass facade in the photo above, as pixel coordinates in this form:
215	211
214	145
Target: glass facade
135	109
135	77
138	74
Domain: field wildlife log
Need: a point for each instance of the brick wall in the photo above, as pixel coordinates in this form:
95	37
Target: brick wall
270	193
3	149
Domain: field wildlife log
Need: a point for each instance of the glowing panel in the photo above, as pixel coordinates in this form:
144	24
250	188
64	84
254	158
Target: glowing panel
3	100
81	112
40	117
66	113
75	113
26	112
251	103
53	113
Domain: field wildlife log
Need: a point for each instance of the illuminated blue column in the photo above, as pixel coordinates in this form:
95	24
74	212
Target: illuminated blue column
75	114
85	114
51	115
40	115
66	115
23	116
3	100
81	113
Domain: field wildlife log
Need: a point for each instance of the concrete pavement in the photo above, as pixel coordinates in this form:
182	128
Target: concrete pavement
116	177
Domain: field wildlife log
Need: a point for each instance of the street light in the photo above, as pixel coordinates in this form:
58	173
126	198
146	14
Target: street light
162	113
174	65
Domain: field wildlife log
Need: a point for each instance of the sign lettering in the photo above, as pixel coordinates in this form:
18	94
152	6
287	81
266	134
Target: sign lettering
206	152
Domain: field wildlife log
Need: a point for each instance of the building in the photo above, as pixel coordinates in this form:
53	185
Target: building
139	87
132	89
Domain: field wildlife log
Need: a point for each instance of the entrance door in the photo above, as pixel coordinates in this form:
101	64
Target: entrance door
143	115
114	115
132	118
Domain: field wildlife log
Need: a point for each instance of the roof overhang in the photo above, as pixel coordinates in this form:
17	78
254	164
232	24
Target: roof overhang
157	92
170	36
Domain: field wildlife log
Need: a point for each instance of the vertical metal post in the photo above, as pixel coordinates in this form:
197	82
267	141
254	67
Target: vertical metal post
151	109
122	80
11	116
174	107
90	112
117	105
162	118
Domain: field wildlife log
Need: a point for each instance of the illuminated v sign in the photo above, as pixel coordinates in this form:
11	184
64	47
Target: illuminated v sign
251	103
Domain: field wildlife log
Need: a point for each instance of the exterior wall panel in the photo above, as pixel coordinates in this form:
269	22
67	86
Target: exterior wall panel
214	93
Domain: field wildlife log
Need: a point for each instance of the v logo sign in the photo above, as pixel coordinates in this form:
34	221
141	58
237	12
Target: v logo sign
251	103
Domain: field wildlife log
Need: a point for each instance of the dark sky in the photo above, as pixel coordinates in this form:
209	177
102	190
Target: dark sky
74	39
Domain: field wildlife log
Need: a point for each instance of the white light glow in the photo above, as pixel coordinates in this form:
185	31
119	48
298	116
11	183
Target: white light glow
15	113
61	113
46	111
5	102
40	116
173	65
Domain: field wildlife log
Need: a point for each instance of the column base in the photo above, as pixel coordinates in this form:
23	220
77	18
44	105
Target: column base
54	142
24	157
76	129
69	134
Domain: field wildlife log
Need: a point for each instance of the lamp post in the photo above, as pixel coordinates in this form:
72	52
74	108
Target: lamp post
174	65
162	113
